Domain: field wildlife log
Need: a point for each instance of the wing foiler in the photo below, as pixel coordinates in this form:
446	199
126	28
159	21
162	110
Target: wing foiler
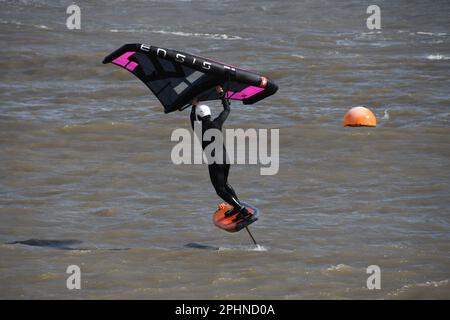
177	77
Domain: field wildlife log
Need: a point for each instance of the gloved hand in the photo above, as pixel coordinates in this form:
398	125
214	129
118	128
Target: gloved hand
219	90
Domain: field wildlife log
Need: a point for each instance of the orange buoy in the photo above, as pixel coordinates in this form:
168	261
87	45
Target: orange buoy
359	117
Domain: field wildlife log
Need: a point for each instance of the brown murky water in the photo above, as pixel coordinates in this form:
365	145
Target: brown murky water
85	153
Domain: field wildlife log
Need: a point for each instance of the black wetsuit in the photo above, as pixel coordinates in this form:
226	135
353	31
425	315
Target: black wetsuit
218	172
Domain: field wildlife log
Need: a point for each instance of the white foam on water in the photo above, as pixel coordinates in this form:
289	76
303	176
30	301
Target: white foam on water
437	57
214	36
258	248
427	284
19	23
299	56
339	267
228	280
40	26
371	32
15	22
440	34
425	33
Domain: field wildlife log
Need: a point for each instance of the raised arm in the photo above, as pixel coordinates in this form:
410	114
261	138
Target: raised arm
194	105
226	107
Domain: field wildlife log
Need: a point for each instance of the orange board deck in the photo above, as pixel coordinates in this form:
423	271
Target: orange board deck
227	224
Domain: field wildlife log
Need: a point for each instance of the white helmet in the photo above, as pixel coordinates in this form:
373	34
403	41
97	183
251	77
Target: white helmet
203	111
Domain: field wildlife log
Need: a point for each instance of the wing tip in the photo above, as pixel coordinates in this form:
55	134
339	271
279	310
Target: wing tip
126	47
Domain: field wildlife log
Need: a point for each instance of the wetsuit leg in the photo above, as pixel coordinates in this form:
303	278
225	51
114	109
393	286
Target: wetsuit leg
219	174
228	187
231	191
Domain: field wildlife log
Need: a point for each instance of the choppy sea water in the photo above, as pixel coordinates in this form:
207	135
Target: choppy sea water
85	153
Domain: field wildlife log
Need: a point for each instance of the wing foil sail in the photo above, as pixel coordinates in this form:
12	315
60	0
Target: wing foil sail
176	77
